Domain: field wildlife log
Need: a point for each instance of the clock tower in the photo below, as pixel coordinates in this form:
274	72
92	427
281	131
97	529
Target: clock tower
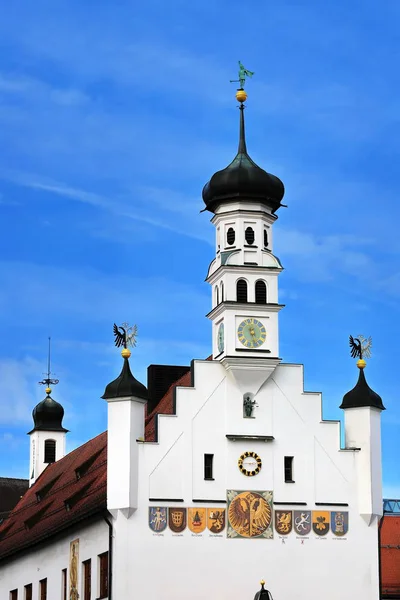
244	273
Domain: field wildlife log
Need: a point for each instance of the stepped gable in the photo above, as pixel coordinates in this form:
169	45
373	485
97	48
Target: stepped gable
11	490
166	406
68	491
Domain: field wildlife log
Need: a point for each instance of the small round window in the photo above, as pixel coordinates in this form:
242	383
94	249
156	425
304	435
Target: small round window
230	236
249	235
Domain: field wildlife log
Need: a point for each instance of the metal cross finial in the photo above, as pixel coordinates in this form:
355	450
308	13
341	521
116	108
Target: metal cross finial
243	73
48	380
125	335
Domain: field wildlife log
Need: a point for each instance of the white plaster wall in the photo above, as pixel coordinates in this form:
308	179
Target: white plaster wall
179	566
49	561
37	440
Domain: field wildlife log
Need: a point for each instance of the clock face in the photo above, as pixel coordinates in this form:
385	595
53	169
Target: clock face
251	333
221	337
250	464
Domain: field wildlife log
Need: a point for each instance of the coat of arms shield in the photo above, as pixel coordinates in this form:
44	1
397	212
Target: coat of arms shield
157	518
216	519
283	521
197	519
302	522
320	522
177	519
339	523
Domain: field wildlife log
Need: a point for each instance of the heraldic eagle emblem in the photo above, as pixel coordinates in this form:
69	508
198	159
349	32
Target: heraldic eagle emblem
125	335
249	514
360	347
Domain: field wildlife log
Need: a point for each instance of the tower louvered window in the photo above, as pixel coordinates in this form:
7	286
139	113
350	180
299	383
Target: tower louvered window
241	290
249	235
265	238
50	451
230	236
261	292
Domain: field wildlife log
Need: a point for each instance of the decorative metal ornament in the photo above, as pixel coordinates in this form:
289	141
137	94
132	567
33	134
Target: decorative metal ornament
125	335
360	347
243	73
47	381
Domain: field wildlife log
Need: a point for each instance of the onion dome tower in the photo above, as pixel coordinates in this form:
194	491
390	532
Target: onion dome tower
244	199
242	179
126	398
48	435
362	423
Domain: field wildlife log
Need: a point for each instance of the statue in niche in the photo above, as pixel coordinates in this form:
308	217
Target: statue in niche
248	406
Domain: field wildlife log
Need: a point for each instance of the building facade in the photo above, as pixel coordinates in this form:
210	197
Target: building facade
232	476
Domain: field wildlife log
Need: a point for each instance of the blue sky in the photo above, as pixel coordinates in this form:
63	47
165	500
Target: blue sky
112	118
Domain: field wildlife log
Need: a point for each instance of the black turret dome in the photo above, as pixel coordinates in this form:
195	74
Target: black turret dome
125	385
48	415
362	395
243	180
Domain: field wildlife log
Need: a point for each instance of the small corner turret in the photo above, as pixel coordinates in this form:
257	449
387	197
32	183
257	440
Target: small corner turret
362	422
126	398
47	443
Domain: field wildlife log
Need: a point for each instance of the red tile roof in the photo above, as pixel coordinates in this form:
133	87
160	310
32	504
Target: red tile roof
59	499
11	491
390	556
71	489
166	406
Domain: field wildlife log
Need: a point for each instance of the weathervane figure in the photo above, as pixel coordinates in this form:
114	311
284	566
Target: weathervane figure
125	335
243	73
360	347
47	381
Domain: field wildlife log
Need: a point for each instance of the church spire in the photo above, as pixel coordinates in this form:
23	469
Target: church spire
242	180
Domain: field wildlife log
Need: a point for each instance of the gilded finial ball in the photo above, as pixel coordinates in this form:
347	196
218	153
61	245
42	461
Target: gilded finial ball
361	364
241	96
125	353
262	582
48	390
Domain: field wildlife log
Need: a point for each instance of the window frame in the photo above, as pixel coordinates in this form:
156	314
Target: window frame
103	575
28	588
208	467
249	233
87	579
43	589
240	281
258	300
14	594
64	586
288	469
47	450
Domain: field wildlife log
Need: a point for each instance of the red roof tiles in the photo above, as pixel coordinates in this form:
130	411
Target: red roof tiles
390	556
71	489
53	503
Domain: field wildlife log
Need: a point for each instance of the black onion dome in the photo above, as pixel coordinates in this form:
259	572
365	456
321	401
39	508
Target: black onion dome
362	395
243	180
125	385
48	416
263	594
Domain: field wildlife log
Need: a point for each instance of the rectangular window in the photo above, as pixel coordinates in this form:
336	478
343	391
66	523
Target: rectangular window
87	579
43	589
103	568
208	466
289	469
28	592
14	595
64	584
